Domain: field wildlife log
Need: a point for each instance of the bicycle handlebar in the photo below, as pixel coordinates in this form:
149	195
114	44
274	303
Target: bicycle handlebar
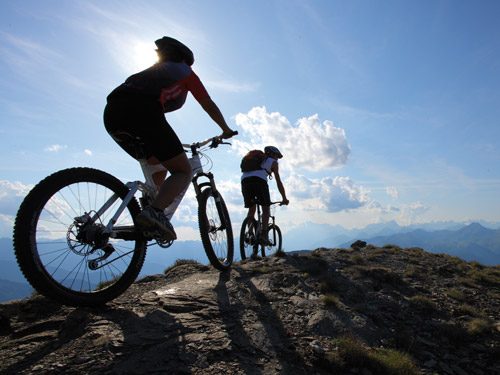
215	142
256	201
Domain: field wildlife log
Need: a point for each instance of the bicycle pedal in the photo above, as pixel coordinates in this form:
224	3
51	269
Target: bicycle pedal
151	234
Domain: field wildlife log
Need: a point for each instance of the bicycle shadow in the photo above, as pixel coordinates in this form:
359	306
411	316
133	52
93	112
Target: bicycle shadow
151	343
252	348
108	340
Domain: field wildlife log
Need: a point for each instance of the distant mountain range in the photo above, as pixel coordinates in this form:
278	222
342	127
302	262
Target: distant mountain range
476	241
471	243
312	235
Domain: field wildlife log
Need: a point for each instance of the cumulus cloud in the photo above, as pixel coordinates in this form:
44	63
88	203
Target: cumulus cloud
11	196
330	194
411	211
309	144
392	191
405	214
88	152
6	225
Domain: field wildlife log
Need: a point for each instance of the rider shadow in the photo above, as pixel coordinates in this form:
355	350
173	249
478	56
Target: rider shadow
73	322
254	350
149	344
120	342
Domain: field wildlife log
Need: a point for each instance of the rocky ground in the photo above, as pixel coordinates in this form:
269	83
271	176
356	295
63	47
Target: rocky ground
291	314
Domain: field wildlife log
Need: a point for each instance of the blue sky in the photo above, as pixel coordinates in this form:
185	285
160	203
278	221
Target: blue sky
384	110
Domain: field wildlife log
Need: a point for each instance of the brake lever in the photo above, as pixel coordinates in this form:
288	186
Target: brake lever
228	143
215	142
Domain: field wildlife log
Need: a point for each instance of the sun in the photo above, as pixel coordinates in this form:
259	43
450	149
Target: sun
144	55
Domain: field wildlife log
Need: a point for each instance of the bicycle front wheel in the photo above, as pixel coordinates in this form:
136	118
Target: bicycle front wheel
215	229
274	235
59	241
248	238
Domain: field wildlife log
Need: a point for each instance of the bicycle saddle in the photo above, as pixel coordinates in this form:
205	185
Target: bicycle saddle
130	142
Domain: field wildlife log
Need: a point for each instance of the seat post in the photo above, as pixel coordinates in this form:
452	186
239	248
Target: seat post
148	175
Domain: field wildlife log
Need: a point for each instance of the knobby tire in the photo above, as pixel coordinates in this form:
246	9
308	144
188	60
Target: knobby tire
48	248
248	239
274	235
215	229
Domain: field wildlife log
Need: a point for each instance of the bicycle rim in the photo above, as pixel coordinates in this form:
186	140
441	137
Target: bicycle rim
215	229
63	258
248	239
274	235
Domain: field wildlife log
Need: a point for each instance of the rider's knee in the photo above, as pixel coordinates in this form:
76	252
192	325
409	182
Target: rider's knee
183	175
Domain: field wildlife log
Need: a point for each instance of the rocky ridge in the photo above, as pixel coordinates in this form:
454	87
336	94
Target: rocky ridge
290	314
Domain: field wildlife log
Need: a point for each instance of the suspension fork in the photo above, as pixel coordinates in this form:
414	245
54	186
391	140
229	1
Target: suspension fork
198	188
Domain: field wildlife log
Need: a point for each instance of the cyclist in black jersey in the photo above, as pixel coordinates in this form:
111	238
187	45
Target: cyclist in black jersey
138	107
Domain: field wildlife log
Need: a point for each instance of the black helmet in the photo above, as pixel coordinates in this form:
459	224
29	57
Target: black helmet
269	149
174	50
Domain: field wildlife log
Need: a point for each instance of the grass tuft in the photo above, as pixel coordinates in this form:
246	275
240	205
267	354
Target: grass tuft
350	353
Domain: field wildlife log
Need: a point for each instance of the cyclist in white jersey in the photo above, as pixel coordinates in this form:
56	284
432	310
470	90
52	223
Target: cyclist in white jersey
254	187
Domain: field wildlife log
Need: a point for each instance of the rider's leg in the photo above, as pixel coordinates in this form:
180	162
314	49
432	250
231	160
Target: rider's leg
263	238
251	211
152	218
180	177
266	213
159	176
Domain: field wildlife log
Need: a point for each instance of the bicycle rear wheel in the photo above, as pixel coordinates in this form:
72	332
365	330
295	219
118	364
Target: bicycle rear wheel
215	229
274	235
248	238
59	241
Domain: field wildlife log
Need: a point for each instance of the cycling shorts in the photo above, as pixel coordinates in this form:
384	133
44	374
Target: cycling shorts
255	189
143	118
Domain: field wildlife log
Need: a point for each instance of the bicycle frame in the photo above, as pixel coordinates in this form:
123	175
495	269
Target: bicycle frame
259	219
149	190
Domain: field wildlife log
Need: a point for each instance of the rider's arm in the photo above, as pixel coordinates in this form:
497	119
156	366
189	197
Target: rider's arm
214	112
281	188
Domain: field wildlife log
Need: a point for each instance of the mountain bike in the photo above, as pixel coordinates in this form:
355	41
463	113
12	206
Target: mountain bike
251	231
74	235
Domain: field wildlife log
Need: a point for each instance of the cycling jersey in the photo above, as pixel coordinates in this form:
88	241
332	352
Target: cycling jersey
261	173
167	82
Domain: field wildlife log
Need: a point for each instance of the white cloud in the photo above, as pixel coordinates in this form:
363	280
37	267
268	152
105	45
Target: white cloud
392	191
11	196
410	212
55	148
88	152
6	225
187	233
405	214
309	144
329	194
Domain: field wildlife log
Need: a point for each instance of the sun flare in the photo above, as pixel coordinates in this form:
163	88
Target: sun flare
144	55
